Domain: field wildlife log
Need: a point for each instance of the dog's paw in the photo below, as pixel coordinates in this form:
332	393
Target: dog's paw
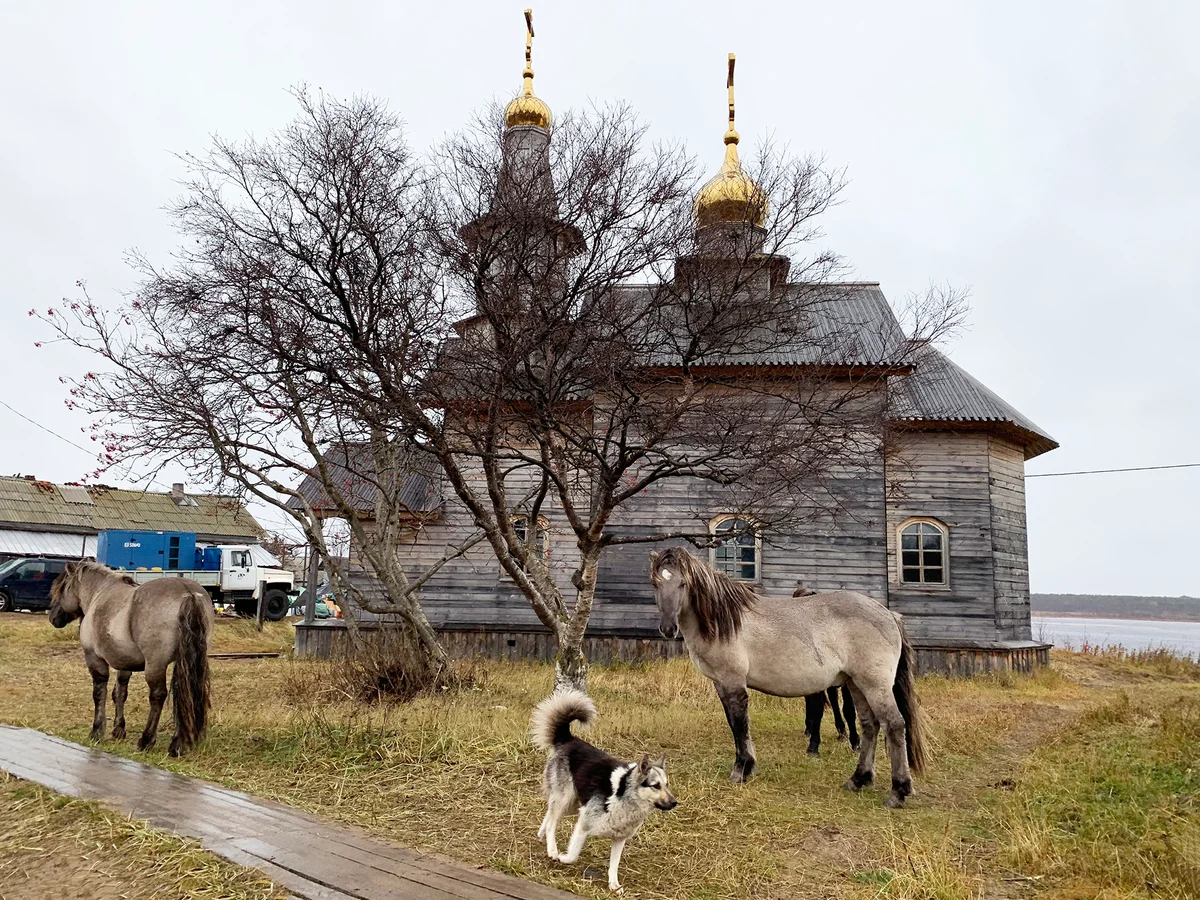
615	888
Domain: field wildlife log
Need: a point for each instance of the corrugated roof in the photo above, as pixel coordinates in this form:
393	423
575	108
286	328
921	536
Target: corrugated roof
25	502
835	324
419	493
14	542
940	391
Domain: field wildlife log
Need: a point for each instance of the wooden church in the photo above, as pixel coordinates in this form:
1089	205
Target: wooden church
936	529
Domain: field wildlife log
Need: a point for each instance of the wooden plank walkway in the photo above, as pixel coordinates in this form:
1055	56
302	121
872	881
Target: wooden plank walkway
313	859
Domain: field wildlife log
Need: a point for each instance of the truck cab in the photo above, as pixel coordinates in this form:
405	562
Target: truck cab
25	582
243	583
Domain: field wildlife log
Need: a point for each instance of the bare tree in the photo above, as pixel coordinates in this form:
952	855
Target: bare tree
547	324
300	300
733	368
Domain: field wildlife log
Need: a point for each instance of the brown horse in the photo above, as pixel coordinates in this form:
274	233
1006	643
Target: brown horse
140	628
793	647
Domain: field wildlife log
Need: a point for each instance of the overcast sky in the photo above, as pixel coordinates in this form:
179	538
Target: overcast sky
1046	156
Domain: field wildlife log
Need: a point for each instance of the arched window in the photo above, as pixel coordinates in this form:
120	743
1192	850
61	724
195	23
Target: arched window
541	545
738	555
924	547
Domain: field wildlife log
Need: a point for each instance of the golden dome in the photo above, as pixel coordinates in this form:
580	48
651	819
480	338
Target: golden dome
527	109
731	197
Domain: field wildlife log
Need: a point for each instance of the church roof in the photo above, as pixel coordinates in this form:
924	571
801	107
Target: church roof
939	391
355	479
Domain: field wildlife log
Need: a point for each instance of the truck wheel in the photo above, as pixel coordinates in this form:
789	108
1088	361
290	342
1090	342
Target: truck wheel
5	602
277	605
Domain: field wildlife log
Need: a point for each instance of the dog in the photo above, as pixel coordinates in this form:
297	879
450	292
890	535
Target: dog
614	798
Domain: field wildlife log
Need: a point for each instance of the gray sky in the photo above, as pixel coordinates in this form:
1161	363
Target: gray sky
1045	156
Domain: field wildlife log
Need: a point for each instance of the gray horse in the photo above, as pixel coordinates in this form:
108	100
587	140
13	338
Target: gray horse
791	648
134	628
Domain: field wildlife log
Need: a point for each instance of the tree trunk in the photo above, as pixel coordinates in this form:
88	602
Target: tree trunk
571	666
570	669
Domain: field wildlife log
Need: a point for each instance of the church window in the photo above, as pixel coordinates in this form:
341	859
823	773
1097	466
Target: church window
739	554
541	546
923	552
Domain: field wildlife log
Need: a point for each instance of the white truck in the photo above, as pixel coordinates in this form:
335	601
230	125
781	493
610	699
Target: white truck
238	582
227	571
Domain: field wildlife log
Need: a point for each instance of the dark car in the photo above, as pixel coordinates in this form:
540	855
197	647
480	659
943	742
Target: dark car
25	583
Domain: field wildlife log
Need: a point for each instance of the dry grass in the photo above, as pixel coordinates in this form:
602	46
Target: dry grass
454	772
52	847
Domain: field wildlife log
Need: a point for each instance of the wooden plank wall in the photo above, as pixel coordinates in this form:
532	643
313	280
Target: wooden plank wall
325	640
1010	543
945	476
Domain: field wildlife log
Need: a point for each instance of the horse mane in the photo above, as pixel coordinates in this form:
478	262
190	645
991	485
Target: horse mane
717	601
76	570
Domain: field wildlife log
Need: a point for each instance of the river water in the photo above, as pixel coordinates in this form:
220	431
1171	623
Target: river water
1134	634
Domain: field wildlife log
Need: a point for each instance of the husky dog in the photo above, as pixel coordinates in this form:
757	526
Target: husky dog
614	798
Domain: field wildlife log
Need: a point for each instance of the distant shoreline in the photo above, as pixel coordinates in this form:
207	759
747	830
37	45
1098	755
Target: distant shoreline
1060	614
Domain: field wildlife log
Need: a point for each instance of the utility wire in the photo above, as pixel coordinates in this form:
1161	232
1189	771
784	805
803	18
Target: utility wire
47	430
1107	471
59	436
1195	465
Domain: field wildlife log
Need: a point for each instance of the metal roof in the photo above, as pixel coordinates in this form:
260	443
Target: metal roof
356	479
31	505
850	324
938	391
15	542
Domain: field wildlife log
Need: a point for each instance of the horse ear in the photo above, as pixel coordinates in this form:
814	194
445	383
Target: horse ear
655	556
69	568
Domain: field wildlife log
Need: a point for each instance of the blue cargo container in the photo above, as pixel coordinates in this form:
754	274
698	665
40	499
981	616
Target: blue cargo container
165	550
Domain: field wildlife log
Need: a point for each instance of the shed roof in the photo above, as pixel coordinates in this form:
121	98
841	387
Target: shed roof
940	392
31	505
356	478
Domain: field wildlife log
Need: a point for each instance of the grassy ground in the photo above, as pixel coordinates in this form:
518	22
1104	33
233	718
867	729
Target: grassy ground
1078	782
52	847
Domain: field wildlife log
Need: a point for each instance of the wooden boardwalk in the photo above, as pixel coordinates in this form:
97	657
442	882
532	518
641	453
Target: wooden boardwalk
313	859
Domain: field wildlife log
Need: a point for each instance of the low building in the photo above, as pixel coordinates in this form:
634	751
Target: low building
61	521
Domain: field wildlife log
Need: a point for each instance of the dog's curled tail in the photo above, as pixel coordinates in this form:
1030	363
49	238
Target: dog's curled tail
552	718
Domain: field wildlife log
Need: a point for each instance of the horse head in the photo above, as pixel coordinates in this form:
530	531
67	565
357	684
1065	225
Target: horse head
65	605
670	589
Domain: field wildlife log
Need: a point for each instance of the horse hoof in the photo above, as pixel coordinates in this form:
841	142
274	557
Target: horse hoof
858	782
145	744
736	776
96	735
895	801
118	734
812	752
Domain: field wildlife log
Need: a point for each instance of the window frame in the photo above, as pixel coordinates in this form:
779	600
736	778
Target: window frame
520	521
755	529
935	586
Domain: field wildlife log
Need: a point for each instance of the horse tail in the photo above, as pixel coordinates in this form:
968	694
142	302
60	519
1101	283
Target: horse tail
190	682
905	693
552	718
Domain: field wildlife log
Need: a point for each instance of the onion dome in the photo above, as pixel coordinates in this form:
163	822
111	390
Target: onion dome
731	197
527	110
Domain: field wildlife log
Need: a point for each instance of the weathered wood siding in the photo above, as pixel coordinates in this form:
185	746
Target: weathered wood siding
945	476
1010	541
323	640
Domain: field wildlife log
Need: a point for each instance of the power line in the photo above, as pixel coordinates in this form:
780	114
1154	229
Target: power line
1107	471
47	430
92	451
